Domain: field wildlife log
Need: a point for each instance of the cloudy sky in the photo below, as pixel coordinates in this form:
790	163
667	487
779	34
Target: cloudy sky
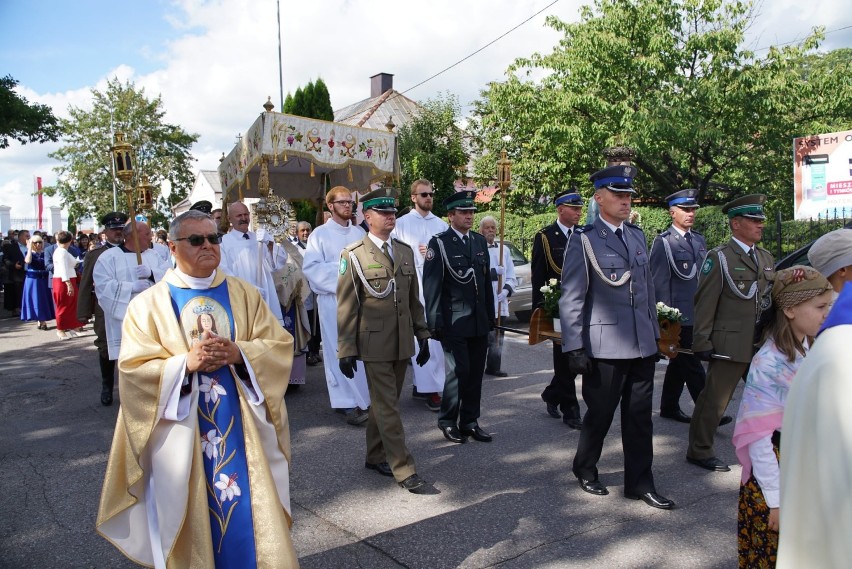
214	62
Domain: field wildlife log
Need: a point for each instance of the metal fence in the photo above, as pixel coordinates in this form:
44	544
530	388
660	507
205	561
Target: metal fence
784	237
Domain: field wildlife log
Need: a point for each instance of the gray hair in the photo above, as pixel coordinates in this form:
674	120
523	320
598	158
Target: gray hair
487	219
302	224
127	230
174	228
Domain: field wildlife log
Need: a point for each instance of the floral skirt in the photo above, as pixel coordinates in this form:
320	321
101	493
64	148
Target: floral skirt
757	544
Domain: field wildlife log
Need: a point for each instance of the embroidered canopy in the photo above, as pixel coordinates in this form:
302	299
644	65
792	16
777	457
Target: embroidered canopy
295	156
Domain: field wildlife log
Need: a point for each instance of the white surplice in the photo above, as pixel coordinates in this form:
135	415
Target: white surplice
114	274
508	277
250	260
321	267
816	458
415	230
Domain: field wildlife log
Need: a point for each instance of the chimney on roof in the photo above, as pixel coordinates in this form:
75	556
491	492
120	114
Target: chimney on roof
380	83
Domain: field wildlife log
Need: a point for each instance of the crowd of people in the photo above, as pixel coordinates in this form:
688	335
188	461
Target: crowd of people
205	324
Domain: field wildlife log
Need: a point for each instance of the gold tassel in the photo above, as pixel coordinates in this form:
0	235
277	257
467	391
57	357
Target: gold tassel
285	157
349	173
312	170
373	171
275	160
240	192
248	181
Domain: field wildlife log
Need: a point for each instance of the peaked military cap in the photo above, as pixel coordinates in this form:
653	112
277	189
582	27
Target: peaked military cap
383	199
462	201
569	197
683	198
615	178
750	206
202	205
114	220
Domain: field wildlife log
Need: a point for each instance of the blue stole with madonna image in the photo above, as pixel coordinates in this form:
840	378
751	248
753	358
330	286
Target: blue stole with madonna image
220	425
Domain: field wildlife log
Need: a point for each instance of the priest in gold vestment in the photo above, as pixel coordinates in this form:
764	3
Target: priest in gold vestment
198	473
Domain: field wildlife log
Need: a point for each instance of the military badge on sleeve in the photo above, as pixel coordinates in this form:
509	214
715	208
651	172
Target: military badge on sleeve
343	265
430	254
708	266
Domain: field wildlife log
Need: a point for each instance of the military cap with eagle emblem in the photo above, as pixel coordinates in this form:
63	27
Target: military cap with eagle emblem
615	178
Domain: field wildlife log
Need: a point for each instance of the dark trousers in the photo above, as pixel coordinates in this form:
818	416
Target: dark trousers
495	348
316	337
13	292
561	390
631	383
722	378
685	368
385	435
465	363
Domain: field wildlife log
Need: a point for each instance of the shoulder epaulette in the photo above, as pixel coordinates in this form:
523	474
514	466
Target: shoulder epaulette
353	246
665	233
395	240
585	228
697	233
634	226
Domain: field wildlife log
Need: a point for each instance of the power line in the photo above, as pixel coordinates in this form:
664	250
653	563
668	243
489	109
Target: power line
462	60
798	40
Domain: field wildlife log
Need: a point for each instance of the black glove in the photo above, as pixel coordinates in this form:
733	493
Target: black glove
704	356
435	334
578	362
348	365
423	356
659	356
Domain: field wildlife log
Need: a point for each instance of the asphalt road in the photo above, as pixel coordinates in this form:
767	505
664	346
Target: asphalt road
510	504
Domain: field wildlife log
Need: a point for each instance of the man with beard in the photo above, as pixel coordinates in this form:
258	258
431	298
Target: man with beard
321	266
415	229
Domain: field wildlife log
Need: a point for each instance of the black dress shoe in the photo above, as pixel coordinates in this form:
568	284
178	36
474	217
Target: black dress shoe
553	411
413	484
477	434
574	422
453	434
711	463
652	499
678	416
725	420
498	373
593	487
382	468
106	397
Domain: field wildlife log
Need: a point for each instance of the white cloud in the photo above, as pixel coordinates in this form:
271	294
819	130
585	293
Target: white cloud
217	74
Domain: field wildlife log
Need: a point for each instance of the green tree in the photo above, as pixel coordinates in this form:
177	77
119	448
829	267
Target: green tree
671	80
431	146
84	177
24	121
312	101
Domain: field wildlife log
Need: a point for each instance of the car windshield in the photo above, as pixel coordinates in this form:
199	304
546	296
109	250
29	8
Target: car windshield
518	257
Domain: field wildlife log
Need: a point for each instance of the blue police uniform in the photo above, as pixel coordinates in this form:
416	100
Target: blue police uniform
610	332
676	257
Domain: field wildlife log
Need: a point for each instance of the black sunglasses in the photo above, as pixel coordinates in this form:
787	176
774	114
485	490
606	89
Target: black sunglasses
198	240
426	194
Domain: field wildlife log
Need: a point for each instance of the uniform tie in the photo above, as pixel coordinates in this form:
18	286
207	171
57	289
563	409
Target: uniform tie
245	236
688	237
464	239
751	254
620	236
386	251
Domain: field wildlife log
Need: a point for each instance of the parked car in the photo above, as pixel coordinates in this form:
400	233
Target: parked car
797	257
520	303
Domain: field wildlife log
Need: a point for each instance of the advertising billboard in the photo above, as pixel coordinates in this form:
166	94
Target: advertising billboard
822	175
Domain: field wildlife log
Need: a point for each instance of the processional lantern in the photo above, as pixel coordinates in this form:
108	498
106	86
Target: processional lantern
123	158
504	171
144	194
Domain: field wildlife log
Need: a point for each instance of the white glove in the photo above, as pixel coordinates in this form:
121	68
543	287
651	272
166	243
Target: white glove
500	270
143	271
140	285
502	296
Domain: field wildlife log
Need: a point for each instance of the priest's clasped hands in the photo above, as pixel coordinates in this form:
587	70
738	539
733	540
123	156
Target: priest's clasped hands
211	353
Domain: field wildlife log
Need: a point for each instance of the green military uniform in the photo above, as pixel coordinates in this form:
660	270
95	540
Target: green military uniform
379	314
732	292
